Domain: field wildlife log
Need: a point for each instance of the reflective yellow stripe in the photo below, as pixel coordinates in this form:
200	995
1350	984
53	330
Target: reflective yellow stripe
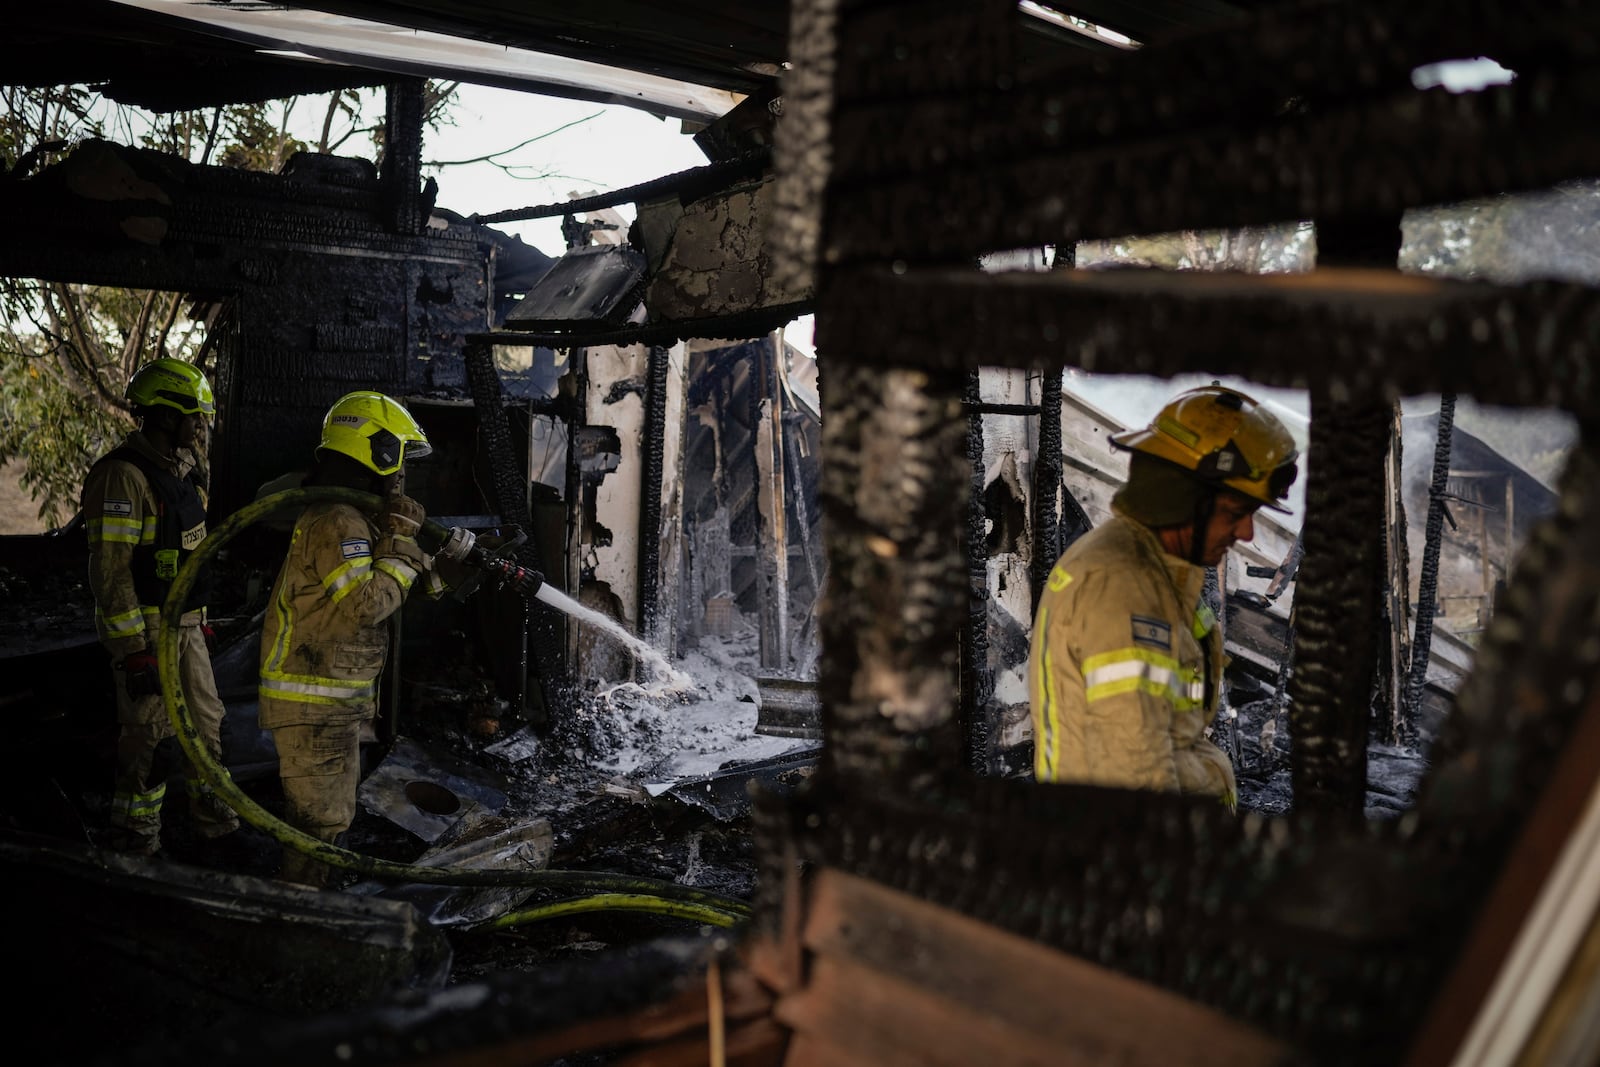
1044	746
280	644
146	805
124	625
399	570
113	531
1059	580
343	579
1128	670
147	532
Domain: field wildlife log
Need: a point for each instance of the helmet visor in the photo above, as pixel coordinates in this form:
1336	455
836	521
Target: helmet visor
389	451
1279	481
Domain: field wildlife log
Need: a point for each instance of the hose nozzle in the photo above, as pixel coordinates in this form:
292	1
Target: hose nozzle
457	545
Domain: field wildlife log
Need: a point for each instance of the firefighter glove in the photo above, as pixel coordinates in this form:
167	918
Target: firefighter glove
401	516
140	676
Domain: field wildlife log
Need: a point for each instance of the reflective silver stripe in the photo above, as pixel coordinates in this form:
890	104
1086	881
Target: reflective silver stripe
309	689
1141	670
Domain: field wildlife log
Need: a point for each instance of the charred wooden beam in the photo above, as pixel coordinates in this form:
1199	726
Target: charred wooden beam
1292	926
1336	604
977	680
1134	148
1515	763
1246	68
736	326
1395	670
1047	485
1365	331
1432	541
402	158
651	478
803	142
893	979
686	185
1440	148
894	499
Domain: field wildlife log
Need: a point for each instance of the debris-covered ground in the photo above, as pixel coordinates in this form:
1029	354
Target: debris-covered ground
643	779
1262	760
627	782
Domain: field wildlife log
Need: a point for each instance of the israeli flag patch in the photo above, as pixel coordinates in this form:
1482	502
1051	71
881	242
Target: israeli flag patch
1152	632
118	507
356	546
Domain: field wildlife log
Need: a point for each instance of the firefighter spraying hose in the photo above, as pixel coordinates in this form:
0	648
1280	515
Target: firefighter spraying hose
601	890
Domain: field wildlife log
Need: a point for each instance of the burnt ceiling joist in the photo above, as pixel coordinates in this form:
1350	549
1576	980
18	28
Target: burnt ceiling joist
147	60
1364	329
151	58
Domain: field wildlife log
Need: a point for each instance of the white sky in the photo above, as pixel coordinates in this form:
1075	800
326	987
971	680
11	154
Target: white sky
590	148
586	148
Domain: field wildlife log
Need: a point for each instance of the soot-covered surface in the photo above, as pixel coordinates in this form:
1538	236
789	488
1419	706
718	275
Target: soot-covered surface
601	776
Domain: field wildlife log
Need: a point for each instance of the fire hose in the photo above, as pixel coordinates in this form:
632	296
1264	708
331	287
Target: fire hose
607	891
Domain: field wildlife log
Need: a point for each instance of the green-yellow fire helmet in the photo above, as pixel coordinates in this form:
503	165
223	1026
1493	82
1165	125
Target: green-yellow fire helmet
171	383
374	430
1226	439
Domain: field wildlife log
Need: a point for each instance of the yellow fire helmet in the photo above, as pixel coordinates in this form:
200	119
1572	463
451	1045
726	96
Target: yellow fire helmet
374	430
1225	438
170	383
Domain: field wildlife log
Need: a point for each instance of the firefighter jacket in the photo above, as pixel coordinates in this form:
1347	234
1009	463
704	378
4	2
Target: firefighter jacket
144	513
1125	668
325	636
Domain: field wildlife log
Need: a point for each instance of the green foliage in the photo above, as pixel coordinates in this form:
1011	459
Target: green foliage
57	432
65	355
67	351
255	142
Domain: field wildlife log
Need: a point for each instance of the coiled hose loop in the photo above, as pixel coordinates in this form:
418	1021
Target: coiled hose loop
623	889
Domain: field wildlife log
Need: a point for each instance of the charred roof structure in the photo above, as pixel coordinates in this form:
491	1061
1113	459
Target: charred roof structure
912	907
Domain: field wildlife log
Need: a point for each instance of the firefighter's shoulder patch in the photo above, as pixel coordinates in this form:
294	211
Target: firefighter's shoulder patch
356	546
1152	632
117	507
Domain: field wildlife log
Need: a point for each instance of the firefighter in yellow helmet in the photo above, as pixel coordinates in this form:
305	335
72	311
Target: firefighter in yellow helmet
325	636
144	510
1125	668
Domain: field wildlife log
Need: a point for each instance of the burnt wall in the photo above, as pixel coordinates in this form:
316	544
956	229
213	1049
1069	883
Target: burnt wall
320	295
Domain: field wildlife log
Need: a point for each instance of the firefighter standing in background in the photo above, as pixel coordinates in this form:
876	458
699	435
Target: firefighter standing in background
325	637
1125	668
144	507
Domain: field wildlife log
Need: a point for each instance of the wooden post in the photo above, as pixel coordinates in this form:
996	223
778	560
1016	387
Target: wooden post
772	555
1398	595
402	157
